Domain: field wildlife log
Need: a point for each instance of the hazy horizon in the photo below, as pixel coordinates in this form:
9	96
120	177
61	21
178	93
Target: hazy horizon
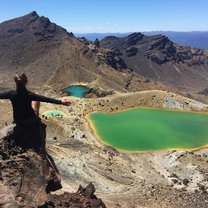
200	31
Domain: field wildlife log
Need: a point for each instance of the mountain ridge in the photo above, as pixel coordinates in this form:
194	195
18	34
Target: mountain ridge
158	58
54	58
197	39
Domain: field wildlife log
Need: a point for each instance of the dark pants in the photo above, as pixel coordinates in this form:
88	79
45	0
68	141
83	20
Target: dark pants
30	133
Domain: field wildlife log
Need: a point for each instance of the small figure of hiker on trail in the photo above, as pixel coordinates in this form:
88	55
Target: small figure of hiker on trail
29	131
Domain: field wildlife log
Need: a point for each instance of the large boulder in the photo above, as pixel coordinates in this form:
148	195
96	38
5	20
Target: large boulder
28	178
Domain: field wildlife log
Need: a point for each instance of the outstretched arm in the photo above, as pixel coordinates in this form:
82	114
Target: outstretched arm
6	95
41	98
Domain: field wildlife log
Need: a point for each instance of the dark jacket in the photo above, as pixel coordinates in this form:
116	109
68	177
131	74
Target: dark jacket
21	100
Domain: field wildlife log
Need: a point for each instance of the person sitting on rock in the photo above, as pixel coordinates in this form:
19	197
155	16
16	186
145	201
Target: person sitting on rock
28	132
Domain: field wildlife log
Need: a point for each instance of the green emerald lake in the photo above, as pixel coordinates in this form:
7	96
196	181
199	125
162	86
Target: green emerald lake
142	129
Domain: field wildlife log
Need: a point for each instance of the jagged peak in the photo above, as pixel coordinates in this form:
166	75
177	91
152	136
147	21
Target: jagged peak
33	20
135	35
160	36
26	18
133	39
132	35
30	15
160	39
33	13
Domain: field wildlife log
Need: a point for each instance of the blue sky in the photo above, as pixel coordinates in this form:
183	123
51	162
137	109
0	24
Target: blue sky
114	15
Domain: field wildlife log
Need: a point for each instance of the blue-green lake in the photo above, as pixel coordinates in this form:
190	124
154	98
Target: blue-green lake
142	129
53	113
76	90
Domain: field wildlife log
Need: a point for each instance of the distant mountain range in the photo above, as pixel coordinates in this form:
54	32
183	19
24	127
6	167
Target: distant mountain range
196	39
158	58
54	58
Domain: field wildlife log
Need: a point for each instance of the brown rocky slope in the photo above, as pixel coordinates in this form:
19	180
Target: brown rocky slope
128	180
27	181
160	59
52	57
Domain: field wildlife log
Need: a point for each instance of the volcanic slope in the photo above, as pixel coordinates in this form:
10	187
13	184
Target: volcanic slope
167	178
160	59
51	56
144	179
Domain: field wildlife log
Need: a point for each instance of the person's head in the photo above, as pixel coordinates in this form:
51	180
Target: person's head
20	79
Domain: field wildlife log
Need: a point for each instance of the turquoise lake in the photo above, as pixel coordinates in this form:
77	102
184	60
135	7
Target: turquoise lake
76	90
53	113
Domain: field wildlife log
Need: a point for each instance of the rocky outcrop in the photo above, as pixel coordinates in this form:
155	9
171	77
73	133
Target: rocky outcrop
22	177
112	59
97	43
28	178
162	50
131	51
98	92
83	198
158	58
158	48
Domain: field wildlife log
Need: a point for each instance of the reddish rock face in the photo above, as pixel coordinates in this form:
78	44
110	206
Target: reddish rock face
28	178
84	198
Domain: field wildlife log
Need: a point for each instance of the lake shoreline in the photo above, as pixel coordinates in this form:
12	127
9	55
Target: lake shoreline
99	137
